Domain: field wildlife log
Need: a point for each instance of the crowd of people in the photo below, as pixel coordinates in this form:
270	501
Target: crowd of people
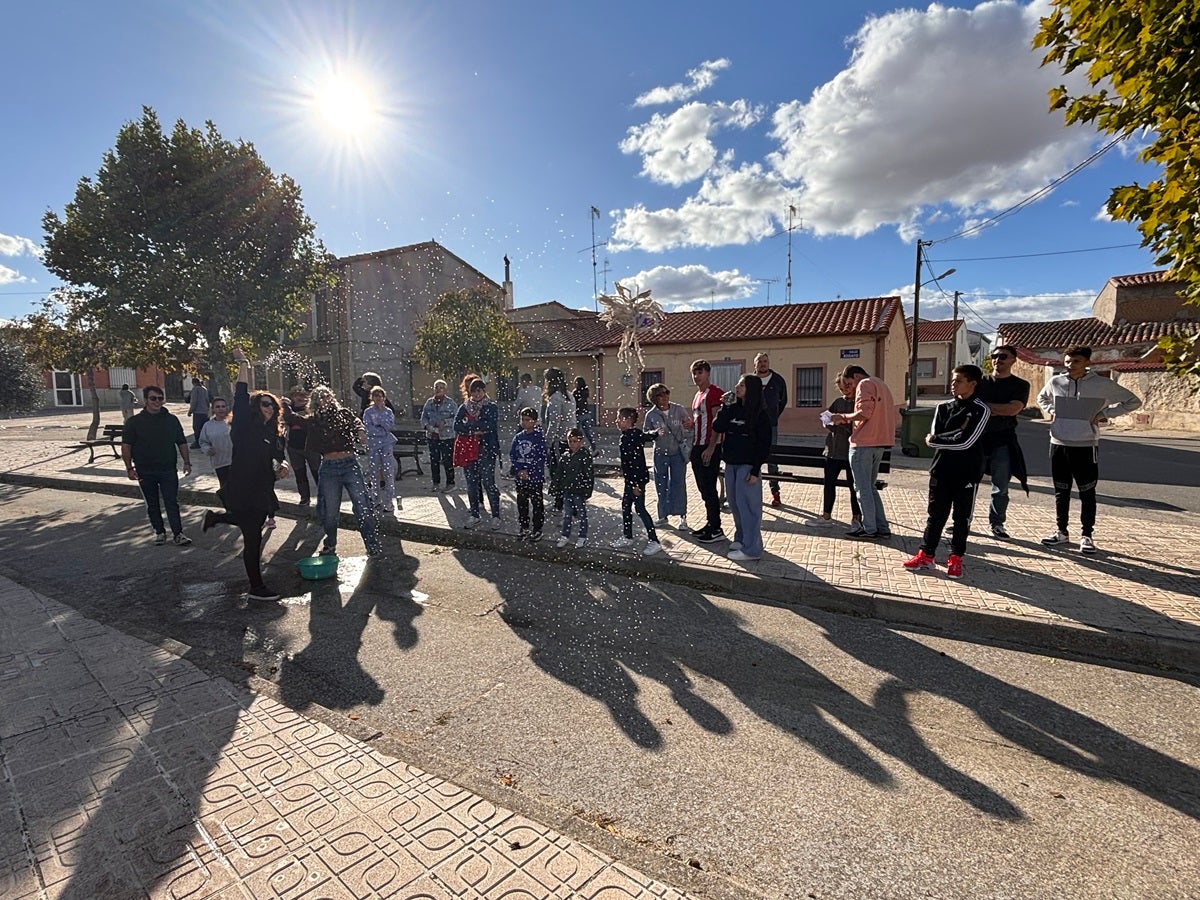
721	433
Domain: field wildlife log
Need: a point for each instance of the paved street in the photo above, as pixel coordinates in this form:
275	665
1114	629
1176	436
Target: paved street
638	732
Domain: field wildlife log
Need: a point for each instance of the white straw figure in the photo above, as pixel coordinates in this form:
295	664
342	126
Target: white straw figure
637	314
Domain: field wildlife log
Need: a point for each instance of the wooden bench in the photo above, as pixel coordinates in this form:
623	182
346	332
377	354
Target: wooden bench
110	438
408	446
788	456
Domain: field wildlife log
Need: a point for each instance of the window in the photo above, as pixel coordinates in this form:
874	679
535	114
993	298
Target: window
810	386
649	377
927	368
66	389
725	375
118	377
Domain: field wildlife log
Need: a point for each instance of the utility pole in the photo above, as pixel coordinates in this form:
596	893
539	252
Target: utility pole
912	362
952	353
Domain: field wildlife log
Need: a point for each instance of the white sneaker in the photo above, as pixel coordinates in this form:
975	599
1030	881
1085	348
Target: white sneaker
1059	537
621	543
652	547
497	524
735	545
579	544
683	525
472	522
562	542
1087	545
739	556
819	522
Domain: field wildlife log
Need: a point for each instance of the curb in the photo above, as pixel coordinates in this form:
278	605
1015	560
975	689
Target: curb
1127	649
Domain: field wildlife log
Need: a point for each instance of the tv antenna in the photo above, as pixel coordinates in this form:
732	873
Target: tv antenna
768	282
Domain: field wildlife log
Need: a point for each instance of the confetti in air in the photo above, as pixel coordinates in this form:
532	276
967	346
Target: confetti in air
637	314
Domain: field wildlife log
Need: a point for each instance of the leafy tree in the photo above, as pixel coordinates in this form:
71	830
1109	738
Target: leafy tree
182	241
465	331
1141	58
63	336
21	387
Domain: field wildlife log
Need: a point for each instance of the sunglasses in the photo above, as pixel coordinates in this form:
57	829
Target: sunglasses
158	397
999	356
266	403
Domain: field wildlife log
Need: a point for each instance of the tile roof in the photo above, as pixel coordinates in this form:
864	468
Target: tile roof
1089	332
587	333
936	331
1159	277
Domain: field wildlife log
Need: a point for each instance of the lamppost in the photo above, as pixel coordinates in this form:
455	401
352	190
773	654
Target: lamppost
917	285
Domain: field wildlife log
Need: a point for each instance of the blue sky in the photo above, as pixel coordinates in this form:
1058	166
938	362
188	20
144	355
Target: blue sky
494	128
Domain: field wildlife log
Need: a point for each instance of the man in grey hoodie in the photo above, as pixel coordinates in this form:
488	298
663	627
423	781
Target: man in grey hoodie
1077	402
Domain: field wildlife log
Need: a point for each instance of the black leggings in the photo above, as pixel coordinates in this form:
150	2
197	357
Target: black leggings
251	525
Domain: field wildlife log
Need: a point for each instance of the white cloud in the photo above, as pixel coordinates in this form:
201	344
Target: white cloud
684	288
18	246
984	312
732	206
937	108
10	276
676	148
1103	215
699	78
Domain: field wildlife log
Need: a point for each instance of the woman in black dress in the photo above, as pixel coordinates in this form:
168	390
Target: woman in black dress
259	458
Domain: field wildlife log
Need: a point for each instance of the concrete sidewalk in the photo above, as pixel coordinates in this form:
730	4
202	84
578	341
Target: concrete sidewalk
1133	602
129	772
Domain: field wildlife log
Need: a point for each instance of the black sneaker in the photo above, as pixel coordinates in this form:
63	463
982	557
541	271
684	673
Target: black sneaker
263	593
210	519
999	531
535	537
710	535
181	540
328	551
856	529
160	539
867	535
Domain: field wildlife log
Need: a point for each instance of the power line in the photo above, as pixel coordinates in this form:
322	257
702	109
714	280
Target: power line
1036	195
1047	253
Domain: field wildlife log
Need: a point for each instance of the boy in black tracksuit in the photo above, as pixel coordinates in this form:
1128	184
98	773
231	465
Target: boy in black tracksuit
954	473
637	476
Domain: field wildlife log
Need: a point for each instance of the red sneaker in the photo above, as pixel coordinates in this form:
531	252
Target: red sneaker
921	561
954	567
775	501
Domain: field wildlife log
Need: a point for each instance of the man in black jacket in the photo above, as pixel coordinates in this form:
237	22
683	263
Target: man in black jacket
1005	395
775	400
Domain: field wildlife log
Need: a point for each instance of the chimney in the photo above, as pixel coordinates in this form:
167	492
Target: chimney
508	285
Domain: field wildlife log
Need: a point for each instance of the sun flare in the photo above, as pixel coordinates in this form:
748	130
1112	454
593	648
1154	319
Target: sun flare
345	106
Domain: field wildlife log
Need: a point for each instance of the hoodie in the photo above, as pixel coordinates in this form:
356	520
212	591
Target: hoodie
955	436
1075	403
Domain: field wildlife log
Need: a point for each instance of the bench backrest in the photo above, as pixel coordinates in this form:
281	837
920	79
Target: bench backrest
114	430
790	455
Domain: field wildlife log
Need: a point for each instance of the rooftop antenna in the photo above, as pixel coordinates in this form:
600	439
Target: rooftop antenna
791	218
606	268
768	282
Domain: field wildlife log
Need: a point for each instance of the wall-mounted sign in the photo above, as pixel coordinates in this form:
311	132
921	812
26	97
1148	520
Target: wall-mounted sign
852	353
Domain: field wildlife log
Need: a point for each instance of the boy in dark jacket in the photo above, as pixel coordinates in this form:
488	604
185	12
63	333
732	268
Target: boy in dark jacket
528	458
954	474
574	479
637	476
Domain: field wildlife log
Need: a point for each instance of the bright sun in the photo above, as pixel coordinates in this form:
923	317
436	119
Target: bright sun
345	106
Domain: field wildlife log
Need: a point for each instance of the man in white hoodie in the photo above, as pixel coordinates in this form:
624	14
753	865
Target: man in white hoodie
1077	402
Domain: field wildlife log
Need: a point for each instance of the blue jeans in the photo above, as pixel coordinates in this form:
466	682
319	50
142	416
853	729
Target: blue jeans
574	505
997	464
337	474
745	502
773	468
584	420
864	464
631	502
166	481
670	470
481	479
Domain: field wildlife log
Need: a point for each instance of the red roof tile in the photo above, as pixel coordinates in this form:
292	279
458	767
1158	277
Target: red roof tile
587	333
934	331
1159	277
1089	332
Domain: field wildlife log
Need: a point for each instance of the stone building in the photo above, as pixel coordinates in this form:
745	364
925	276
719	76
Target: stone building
1129	316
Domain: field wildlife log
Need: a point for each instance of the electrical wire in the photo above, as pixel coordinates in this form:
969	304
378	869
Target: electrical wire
1047	253
1036	195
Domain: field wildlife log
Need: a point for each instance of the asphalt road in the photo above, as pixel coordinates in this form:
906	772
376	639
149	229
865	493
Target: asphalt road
785	752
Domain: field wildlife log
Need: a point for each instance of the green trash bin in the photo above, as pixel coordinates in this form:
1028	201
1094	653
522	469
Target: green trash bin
914	425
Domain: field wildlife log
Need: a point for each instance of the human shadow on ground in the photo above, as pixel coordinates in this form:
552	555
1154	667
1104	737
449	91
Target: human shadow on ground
1035	723
595	630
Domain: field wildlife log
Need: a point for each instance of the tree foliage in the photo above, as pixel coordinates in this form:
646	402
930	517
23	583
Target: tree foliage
21	387
1141	59
181	241
465	331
